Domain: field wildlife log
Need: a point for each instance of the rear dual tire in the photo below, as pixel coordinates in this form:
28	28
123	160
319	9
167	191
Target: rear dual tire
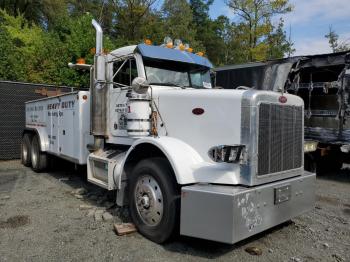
31	156
38	158
25	150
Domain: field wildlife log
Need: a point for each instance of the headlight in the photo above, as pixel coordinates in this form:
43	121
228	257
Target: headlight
228	154
310	146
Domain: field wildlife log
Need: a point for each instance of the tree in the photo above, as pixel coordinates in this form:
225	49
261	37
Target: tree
255	21
333	39
101	10
208	31
27	46
178	22
31	54
39	12
29	9
131	19
278	44
200	11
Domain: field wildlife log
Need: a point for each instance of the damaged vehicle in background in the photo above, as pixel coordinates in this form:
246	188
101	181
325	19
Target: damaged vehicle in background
323	82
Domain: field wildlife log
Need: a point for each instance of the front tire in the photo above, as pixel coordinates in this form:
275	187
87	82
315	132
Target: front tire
38	158
154	199
25	150
309	163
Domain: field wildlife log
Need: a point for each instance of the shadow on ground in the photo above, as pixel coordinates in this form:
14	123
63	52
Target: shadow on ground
341	176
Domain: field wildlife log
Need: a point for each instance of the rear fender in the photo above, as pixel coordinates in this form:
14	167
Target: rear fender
42	134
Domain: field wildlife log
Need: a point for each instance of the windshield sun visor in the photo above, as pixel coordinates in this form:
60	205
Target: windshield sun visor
157	52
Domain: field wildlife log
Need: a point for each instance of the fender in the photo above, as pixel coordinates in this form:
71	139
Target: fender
41	132
181	156
189	167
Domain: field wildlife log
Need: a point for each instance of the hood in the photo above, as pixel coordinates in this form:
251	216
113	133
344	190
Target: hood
202	118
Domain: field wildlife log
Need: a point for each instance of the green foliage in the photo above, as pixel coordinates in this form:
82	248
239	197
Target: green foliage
31	54
40	37
333	40
209	32
257	32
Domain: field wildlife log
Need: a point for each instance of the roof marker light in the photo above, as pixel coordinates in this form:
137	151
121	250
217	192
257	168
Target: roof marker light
148	42
188	48
177	43
168	42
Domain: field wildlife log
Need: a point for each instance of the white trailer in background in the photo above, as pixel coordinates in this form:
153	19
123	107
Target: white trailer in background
223	165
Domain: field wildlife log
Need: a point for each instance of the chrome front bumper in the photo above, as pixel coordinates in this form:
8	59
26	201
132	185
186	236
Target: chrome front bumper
229	214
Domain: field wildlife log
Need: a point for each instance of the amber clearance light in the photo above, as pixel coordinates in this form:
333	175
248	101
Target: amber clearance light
81	61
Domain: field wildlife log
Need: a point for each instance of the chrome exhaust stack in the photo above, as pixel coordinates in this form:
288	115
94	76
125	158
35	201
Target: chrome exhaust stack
99	36
98	89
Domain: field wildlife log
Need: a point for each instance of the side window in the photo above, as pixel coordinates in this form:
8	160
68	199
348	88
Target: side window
124	72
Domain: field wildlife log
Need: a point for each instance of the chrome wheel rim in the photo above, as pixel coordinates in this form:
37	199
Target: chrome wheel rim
149	200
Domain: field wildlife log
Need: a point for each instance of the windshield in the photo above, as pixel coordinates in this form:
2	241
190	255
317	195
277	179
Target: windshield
170	73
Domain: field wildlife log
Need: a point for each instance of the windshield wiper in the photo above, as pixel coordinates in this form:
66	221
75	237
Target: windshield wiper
168	84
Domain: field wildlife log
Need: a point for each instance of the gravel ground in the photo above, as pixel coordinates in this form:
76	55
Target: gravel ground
57	216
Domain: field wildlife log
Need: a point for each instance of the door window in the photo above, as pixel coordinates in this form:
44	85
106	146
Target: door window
124	72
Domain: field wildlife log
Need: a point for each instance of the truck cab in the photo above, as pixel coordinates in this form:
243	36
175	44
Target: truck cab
184	156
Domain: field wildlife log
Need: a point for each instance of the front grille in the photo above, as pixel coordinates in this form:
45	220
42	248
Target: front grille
280	138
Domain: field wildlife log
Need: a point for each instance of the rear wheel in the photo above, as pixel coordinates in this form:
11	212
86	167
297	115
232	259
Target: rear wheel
153	198
25	150
38	158
332	161
309	163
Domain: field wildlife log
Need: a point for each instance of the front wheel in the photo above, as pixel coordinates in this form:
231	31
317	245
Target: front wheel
154	199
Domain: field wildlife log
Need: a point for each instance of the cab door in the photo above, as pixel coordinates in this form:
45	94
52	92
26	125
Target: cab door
124	71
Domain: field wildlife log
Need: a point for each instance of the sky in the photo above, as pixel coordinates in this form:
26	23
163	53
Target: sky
309	23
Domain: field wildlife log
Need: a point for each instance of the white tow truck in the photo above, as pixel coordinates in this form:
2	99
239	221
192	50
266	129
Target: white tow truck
185	157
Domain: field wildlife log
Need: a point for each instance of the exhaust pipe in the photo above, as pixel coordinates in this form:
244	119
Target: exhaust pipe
98	90
99	37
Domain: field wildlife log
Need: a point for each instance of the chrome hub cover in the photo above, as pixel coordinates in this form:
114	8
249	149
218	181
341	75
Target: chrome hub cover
149	200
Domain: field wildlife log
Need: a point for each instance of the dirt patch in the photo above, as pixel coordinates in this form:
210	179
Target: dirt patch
15	222
346	211
328	200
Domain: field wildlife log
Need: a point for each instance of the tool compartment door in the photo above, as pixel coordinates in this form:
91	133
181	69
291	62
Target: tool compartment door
68	124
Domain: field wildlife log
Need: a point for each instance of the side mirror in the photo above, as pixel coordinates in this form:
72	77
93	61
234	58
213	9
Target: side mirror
140	85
